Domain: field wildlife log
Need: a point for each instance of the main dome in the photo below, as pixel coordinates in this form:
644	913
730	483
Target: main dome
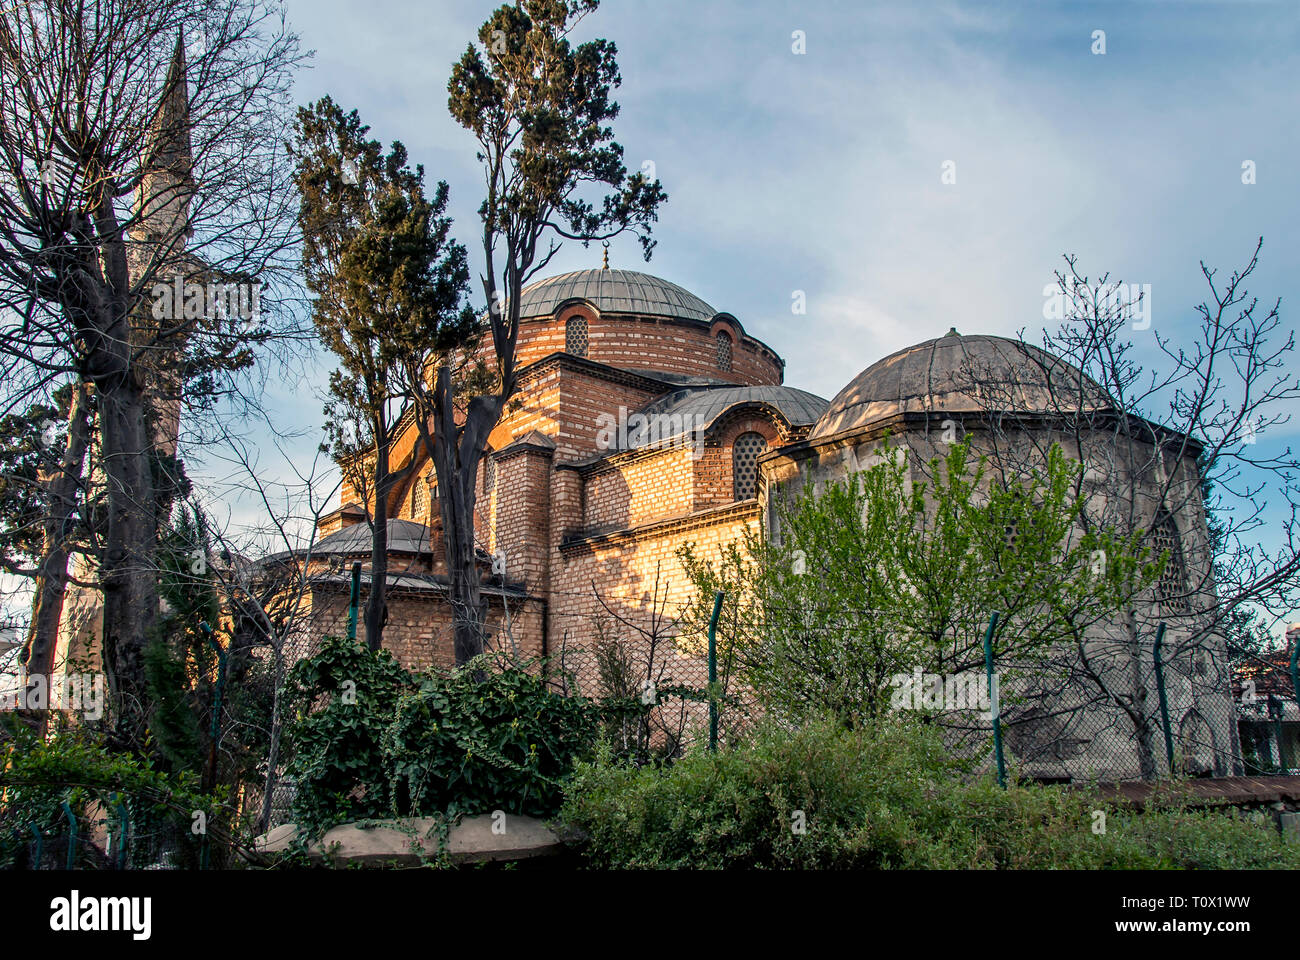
614	291
956	374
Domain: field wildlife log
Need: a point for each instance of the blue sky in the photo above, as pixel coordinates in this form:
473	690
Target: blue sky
821	172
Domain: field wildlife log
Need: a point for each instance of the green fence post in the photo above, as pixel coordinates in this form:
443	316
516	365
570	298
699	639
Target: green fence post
1164	701
355	599
72	836
713	672
123	831
994	710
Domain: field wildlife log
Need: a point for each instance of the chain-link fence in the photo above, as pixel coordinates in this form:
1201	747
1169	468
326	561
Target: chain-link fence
1113	709
63	827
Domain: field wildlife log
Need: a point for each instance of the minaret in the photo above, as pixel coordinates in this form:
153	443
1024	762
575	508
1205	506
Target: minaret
166	182
160	233
156	249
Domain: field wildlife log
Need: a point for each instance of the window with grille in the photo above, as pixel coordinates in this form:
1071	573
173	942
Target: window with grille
724	351
745	451
575	336
1171	588
419	499
489	474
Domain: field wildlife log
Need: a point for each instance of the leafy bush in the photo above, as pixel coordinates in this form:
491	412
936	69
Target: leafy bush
502	741
881	797
373	740
897	567
38	775
345	696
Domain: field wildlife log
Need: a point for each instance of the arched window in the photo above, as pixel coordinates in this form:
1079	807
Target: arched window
745	451
575	335
724	351
419	499
1171	588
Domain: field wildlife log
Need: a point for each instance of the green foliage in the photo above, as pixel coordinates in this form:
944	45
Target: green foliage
373	740
345	698
540	109
38	775
179	661
30	445
885	796
387	280
895	569
471	741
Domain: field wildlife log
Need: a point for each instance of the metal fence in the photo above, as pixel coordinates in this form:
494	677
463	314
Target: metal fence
105	831
1121	710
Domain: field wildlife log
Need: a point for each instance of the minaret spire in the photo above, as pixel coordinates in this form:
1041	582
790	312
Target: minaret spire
166	182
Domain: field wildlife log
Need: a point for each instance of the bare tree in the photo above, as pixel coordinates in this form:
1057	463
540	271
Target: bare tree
264	572
1164	451
133	164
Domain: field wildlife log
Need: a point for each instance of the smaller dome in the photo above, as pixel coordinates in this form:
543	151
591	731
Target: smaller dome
684	410
959	374
614	291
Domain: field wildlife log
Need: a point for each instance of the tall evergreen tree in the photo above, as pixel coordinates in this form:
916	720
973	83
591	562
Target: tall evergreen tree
389	288
539	108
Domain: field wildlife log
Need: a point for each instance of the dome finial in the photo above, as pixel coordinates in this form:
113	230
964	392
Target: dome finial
952	332
605	263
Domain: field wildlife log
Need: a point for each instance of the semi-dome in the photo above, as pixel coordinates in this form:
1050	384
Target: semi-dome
956	373
694	409
614	291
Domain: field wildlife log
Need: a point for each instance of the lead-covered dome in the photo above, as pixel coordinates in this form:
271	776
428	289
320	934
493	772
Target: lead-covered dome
614	291
957	374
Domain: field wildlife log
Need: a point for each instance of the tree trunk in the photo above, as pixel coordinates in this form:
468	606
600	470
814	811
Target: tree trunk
456	456
376	600
129	579
273	758
53	573
1143	727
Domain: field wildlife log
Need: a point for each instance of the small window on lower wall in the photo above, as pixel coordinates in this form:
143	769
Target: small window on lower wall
745	451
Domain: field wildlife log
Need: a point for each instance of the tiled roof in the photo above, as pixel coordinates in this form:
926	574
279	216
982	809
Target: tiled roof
614	291
688	409
955	373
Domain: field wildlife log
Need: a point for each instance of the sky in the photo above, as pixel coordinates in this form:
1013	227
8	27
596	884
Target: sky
821	171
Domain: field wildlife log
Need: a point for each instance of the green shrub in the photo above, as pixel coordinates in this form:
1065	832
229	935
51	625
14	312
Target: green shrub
883	798
38	775
474	744
345	697
373	740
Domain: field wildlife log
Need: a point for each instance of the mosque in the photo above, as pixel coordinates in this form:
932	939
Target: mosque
646	419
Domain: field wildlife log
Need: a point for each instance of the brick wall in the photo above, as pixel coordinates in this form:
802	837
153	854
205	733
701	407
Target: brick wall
625	567
655	343
419	630
713	480
521	518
